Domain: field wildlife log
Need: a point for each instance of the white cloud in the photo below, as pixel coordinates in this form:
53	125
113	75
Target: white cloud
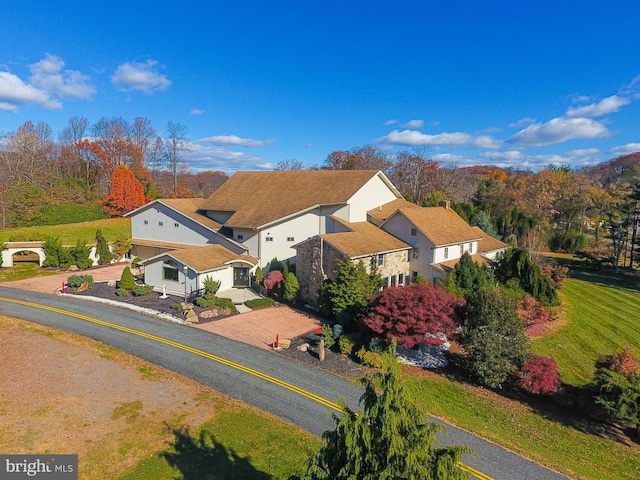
48	75
414	124
508	156
196	111
390	122
523	122
558	130
202	157
454	139
14	92
235	141
608	105
583	152
142	77
627	149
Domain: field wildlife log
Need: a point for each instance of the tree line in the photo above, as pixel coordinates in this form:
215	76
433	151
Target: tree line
594	211
46	179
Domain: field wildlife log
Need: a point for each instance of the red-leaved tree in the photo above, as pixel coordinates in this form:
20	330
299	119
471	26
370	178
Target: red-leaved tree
540	376
407	314
126	193
273	278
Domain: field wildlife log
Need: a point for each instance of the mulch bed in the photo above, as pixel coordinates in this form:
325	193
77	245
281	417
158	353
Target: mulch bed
334	361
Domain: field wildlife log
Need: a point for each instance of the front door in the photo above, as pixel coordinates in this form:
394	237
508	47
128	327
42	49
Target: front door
240	277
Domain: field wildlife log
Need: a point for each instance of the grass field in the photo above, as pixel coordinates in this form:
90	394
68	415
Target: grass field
601	315
69	234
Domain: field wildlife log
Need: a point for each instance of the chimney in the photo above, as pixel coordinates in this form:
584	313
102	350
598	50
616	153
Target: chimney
446	204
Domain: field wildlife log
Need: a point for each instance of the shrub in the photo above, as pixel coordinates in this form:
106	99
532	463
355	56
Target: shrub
76	281
337	330
531	313
176	306
539	375
257	303
126	280
623	362
420	279
80	253
122	292
259	276
225	303
211	286
204	302
56	254
346	344
369	358
136	262
327	336
291	287
142	290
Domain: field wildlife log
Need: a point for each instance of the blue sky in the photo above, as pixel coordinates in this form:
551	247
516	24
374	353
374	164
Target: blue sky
521	84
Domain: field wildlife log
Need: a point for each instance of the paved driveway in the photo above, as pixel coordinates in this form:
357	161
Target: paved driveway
258	327
52	283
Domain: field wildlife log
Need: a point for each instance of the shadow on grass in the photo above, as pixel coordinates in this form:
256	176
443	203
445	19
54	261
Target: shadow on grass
604	276
204	458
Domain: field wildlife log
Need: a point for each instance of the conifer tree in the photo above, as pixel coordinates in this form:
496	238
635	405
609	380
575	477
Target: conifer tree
390	439
103	253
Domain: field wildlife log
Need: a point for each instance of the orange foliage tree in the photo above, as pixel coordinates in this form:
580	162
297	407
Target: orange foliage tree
126	194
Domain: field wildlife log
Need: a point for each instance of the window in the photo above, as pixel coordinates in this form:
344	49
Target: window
380	259
446	252
414	232
169	273
290	239
414	275
400	278
146	222
240	237
160	224
471	248
176	225
461	250
269	239
393	281
416	253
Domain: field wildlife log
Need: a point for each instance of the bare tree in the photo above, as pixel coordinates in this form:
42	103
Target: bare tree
176	144
290	164
142	134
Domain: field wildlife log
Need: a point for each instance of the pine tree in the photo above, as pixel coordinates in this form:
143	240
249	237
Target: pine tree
390	439
103	253
126	280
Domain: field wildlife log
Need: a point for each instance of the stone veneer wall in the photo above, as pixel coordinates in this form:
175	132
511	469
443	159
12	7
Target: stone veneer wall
310	275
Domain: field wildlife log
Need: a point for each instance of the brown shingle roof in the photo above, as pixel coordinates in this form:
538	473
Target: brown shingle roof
189	207
157	243
442	226
259	198
488	243
365	239
447	266
384	211
211	257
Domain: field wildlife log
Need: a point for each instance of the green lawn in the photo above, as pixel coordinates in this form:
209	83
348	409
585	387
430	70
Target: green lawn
69	234
601	315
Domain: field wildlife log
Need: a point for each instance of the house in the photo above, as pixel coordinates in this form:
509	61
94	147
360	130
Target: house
262	215
318	256
311	218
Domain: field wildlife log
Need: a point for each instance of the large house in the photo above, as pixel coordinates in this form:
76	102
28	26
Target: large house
311	218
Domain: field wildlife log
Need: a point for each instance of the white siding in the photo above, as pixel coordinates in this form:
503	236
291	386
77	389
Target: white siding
372	194
400	227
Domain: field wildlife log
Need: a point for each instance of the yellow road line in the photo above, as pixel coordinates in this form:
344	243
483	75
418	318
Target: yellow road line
215	358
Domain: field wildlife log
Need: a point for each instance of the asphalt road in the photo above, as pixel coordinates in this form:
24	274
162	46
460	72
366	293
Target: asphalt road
296	393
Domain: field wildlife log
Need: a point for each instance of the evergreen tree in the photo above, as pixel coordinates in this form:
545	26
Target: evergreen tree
390	439
126	280
516	263
467	276
103	253
493	338
352	289
291	286
80	253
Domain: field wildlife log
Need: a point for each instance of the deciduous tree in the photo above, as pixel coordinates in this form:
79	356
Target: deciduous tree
126	194
412	315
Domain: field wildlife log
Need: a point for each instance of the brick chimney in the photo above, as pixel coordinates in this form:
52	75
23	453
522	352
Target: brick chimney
446	204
